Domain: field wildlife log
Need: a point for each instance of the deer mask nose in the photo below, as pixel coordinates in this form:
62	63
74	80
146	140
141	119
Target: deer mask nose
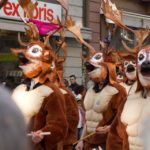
130	68
145	67
89	66
22	58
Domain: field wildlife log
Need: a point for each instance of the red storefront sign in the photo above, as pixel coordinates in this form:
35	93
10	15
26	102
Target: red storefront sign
12	10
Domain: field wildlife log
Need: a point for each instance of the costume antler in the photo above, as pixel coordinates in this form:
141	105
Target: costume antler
70	24
64	4
2	3
112	13
28	6
32	33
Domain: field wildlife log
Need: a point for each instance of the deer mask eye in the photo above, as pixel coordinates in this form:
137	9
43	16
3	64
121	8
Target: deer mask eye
141	57
35	51
97	57
134	62
126	64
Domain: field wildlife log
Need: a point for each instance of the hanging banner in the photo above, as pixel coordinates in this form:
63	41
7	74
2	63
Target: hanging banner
12	10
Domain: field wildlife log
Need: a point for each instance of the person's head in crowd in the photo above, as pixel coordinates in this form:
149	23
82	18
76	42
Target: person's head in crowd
66	82
72	79
12	125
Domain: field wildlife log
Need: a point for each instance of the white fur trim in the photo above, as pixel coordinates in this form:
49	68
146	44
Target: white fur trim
63	91
30	102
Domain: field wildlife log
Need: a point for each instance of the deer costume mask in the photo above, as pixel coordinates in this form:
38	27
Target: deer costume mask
37	59
101	69
129	121
129	71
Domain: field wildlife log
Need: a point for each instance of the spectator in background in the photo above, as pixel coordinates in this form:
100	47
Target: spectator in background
73	82
79	95
12	126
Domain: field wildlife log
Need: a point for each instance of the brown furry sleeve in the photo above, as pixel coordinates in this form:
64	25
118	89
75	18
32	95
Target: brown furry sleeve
117	138
72	118
56	121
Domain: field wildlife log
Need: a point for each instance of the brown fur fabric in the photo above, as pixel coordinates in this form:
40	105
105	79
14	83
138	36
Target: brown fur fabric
72	118
117	137
51	117
109	116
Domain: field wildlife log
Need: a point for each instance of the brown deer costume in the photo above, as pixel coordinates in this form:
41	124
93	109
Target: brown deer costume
42	103
71	104
105	93
129	121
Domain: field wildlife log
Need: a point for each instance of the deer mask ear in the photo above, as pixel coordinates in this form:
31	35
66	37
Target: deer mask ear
112	72
16	51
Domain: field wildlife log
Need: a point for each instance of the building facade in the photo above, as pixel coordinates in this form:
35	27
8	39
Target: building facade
10	25
87	13
136	14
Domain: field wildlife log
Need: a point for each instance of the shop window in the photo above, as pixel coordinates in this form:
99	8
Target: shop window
8	62
121	34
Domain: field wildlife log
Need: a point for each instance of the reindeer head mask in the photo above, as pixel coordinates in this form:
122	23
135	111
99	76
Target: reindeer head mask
128	65
143	64
99	65
37	58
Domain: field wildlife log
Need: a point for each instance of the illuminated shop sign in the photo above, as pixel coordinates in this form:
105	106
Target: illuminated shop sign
12	10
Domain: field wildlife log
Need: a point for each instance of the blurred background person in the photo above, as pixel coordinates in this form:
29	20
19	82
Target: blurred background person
79	95
73	83
12	125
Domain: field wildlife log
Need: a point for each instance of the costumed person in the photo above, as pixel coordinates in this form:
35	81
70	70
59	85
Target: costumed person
70	101
106	92
128	123
129	72
41	102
